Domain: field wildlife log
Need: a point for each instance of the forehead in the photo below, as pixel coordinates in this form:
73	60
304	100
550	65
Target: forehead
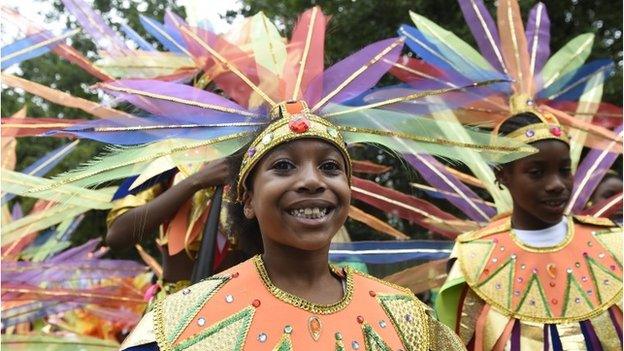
305	148
551	150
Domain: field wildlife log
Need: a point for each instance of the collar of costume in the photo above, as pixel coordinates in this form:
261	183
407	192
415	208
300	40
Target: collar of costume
572	281
291	121
548	128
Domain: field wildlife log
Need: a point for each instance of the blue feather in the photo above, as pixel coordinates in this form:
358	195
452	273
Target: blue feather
142	43
24	44
571	85
158	31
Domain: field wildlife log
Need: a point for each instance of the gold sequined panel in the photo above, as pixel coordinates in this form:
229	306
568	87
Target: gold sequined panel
409	318
471	308
180	308
129	202
228	334
442	338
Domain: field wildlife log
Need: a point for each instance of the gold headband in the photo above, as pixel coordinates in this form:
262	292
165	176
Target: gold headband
291	121
548	128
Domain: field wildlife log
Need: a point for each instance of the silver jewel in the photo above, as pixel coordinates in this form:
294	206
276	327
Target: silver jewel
229	298
409	318
494	260
267	138
355	345
288	329
382	324
513	256
262	337
601	255
497	286
201	321
569	270
186	291
577	300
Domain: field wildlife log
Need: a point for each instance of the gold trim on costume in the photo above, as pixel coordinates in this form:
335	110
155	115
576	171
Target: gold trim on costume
299	302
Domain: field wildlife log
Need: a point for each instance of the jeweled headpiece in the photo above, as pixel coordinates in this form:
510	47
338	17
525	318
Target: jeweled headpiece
548	128
290	121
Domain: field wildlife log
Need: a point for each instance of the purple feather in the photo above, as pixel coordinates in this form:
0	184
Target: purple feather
590	173
484	31
196	104
76	253
538	38
93	23
435	174
16	212
337	74
33	311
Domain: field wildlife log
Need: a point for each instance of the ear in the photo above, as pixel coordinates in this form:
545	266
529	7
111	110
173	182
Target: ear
502	175
248	209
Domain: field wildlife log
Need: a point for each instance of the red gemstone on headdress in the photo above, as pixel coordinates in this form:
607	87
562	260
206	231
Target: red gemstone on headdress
556	131
299	125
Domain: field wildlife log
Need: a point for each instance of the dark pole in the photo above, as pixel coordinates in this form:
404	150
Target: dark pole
203	265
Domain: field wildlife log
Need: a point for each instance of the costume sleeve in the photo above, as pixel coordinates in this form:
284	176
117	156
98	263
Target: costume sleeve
448	301
129	202
142	337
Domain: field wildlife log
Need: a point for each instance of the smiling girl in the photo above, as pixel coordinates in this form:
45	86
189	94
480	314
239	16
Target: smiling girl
294	187
537	279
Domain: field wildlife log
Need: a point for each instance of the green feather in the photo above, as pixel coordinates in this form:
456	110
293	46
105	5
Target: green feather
570	57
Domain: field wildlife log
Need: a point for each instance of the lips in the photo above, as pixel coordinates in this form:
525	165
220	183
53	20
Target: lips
555	205
310	212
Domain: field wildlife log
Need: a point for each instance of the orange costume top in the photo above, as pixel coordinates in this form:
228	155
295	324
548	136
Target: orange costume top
240	309
503	294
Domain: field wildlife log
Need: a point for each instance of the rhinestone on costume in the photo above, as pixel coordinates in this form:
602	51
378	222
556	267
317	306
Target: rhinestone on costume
267	139
612	267
535	270
338	336
554	301
584	279
262	337
229	298
556	131
569	270
532	302
577	300
409	318
486	271
589	292
552	284
332	132
299	125
360	319
516	293
382	324
355	345
235	275
523	266
590	244
186	291
494	260
530	102
529	133
288	329
201	321
314	327
251	151
513	256
502	248
601	255
255	303
520	279
606	282
498	286
577	265
495	240
551	269
372	293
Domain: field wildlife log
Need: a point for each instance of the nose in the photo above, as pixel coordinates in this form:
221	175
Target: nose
555	185
310	180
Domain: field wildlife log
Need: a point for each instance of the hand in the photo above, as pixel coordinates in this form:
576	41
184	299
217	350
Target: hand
214	173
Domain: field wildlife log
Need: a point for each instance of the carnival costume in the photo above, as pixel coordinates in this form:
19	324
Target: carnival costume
505	293
241	309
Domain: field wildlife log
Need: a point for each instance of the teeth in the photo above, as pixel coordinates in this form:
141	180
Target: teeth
310	213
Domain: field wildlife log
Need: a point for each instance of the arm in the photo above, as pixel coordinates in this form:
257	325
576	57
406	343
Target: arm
130	227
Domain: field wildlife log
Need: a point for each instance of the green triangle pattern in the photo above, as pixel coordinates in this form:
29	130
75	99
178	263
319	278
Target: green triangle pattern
180	308
372	340
228	334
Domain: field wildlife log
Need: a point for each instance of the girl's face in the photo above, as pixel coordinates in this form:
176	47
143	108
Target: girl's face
540	185
299	194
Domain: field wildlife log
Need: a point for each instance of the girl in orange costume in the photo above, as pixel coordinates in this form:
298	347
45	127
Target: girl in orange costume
536	279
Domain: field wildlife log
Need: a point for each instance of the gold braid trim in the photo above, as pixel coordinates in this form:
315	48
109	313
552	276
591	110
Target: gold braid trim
299	302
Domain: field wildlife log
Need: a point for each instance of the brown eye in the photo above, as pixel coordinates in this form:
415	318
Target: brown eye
282	165
330	166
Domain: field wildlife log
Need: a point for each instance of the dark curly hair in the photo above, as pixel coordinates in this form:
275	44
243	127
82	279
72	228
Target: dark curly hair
518	121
